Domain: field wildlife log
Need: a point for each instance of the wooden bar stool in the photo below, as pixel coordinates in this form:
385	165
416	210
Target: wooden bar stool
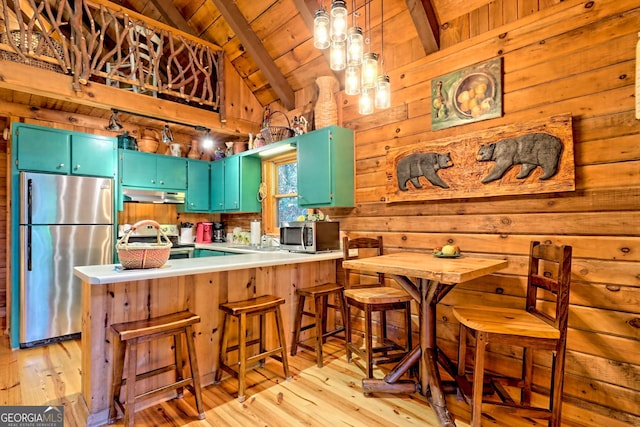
127	336
320	295
371	298
260	306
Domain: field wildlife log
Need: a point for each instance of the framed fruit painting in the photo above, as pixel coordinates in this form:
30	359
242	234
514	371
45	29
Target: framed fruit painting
467	96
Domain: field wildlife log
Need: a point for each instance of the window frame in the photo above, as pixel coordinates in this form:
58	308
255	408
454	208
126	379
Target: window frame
268	190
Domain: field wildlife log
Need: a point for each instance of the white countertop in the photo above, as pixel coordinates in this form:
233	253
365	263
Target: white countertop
250	258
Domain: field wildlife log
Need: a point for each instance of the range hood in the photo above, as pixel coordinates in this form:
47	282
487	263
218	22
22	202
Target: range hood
151	196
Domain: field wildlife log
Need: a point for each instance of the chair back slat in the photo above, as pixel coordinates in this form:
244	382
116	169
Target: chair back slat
550	270
366	247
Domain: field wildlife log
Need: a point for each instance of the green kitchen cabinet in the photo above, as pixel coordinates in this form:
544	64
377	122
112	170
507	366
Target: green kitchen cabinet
203	253
326	168
198	185
153	171
216	186
44	149
235	182
242	177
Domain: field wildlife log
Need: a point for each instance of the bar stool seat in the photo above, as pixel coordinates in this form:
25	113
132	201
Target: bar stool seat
259	306
320	295
127	336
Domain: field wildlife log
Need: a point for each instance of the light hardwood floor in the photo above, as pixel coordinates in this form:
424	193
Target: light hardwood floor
331	396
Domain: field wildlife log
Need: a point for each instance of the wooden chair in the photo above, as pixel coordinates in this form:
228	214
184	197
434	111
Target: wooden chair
242	310
127	336
320	295
370	298
535	328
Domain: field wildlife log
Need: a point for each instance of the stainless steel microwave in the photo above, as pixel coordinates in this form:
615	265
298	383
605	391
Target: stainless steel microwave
310	236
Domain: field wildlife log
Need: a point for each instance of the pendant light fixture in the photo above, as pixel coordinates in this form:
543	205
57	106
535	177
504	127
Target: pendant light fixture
338	20
383	83
352	80
338	55
347	52
321	29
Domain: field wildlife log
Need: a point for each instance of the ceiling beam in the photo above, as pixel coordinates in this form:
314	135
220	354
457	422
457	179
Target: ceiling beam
172	15
254	47
307	10
424	19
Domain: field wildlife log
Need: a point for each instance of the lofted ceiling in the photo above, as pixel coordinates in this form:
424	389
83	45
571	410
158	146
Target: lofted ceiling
269	42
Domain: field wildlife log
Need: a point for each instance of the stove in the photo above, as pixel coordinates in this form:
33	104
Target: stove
149	234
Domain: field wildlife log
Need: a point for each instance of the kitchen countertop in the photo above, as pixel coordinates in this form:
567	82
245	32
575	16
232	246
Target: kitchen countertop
251	258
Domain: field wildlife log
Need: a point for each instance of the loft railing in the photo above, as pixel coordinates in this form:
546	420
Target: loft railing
103	42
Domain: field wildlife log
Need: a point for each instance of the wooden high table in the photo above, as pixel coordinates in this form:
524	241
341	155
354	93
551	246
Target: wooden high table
427	279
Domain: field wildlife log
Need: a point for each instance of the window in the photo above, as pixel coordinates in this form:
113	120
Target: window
280	192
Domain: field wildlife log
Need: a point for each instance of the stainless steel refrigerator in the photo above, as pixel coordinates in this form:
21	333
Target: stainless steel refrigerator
65	221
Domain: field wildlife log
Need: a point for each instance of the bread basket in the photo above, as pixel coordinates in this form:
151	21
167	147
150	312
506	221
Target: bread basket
143	255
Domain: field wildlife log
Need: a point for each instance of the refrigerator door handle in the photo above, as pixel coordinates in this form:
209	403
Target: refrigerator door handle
29	202
29	249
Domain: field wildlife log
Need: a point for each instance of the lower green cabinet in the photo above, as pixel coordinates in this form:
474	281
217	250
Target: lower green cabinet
203	253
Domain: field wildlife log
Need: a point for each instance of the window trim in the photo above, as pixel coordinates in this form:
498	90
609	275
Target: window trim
268	188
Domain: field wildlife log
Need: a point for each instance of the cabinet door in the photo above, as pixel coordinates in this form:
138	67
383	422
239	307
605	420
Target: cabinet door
43	149
314	169
217	186
138	169
93	155
232	183
197	186
250	178
171	172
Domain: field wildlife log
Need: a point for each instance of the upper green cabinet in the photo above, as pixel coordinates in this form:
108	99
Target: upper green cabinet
242	177
216	186
64	152
235	182
326	168
154	171
198	185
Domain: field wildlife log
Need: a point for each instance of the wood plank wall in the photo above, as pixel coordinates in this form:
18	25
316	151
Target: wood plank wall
576	57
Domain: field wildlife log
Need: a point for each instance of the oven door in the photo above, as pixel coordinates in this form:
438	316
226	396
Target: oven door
180	253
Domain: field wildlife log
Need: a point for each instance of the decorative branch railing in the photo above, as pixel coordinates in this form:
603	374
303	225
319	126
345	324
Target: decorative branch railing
100	41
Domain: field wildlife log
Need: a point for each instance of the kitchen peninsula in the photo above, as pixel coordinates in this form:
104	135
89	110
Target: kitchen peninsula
111	295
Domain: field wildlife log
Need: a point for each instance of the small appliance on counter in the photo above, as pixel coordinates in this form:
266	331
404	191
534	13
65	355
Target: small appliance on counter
310	236
204	232
186	232
218	232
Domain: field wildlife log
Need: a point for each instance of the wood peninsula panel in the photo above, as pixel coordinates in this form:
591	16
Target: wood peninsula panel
104	305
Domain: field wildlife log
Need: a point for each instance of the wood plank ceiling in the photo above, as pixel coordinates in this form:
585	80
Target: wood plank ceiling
269	43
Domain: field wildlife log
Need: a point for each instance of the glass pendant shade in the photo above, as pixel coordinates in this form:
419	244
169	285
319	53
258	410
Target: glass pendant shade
352	80
355	46
365	104
383	93
321	30
338	20
338	55
369	70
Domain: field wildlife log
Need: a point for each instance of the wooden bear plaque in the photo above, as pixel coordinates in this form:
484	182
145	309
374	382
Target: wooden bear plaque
524	158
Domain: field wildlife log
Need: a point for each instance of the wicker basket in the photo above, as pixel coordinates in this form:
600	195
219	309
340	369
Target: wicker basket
277	133
143	255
